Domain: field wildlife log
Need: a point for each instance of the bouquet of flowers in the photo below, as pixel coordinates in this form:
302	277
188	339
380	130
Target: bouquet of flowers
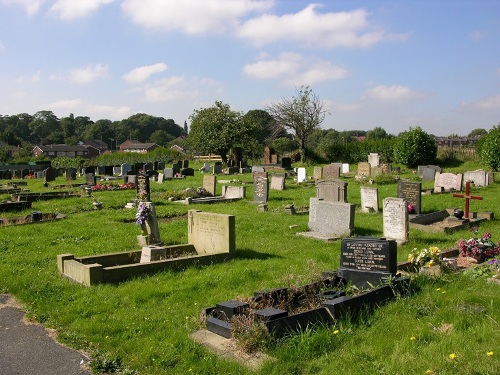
142	214
411	208
480	248
425	258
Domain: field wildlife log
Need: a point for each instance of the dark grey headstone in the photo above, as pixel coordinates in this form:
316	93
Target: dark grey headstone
286	163
412	192
50	174
260	187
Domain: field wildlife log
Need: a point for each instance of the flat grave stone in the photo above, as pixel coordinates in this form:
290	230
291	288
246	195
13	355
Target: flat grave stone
369	199
395	219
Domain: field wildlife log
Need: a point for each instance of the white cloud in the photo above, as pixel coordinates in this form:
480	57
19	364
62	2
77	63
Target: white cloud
191	16
67	105
30	6
142	73
395	93
29	79
72	9
94	111
178	87
88	74
491	102
342	107
293	69
311	28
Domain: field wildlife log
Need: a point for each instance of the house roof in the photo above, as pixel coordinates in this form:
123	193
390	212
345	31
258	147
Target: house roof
65	148
141	146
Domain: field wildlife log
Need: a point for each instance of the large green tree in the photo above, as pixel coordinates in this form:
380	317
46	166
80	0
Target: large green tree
302	114
490	148
415	147
215	130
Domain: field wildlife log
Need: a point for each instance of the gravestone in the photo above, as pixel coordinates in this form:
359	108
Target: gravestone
143	188
108	170
447	182
187	172
345	168
117	170
257	169
478	177
395	218
210	184
286	163
428	174
40	174
234	192
125	168
260	187
331	171
150	227
274	159
50	174
374	159
168	173
176	168
206	168
90	179
331	190
233	170
161	177
318	173
329	220
211	233
277	182
364	169
268	152
185	164
301	175
368	261
412	192
369	199
217	167
130	179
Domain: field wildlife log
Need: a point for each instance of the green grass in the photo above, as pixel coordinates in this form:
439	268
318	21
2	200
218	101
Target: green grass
143	325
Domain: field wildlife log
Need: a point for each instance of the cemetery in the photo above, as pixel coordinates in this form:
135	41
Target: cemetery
136	292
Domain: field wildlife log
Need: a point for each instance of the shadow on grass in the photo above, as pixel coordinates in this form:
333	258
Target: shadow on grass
252	254
360	231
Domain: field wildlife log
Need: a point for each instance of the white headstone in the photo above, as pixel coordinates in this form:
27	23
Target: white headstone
161	176
395	212
301	175
369	199
447	182
345	168
374	159
480	177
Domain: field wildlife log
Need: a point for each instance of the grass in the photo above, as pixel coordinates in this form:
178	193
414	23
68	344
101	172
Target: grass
142	325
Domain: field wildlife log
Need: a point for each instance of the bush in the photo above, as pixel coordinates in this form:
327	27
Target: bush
490	149
415	147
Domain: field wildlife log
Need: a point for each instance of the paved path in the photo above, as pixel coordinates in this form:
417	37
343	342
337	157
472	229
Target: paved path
28	349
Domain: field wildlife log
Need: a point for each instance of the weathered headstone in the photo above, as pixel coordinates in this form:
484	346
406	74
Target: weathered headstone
90	179
318	173
428	174
234	192
369	199
210	184
211	233
479	177
277	182
395	213
168	173
364	169
331	171
331	190
412	192
301	175
161	177
143	188
368	261
374	159
447	182
260	187
50	174
151	235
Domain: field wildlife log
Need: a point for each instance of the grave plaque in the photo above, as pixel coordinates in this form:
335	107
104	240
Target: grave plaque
277	182
260	187
447	182
368	260
412	192
301	175
331	190
143	188
318	173
395	219
369	199
331	171
364	169
210	184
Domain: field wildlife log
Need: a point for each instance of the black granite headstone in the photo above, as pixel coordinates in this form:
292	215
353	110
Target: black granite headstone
412	192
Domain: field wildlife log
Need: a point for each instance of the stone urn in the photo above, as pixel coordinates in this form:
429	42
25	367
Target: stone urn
458	213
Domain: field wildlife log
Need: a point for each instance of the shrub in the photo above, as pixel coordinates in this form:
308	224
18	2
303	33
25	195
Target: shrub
490	149
415	147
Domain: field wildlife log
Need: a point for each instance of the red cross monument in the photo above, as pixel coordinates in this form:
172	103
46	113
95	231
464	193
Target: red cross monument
467	197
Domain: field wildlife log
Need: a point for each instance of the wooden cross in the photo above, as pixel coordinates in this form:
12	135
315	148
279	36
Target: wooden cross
467	197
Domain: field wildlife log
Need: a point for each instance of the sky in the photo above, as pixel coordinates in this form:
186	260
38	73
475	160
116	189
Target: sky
373	63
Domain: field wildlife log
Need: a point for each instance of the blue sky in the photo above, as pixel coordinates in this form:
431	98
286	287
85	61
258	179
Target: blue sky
393	64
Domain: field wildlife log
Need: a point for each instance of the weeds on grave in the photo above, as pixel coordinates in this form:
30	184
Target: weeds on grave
250	335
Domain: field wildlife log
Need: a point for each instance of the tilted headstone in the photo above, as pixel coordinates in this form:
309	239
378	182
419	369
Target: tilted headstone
395	216
368	261
331	171
374	159
331	190
318	173
479	177
412	192
210	184
331	219
234	192
211	233
447	182
369	199
50	174
301	175
277	182
364	169
143	188
260	187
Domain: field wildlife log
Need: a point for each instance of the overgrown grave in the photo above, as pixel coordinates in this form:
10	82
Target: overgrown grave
34	217
367	277
211	238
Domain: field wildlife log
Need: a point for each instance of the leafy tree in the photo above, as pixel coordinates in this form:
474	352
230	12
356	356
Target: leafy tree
477	132
415	147
301	114
186	128
490	148
283	145
161	137
215	130
376	133
43	125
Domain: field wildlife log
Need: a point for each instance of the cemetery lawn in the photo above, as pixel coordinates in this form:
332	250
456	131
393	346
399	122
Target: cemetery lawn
449	325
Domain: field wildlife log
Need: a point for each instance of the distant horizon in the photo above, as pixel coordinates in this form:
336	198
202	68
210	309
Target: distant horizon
390	64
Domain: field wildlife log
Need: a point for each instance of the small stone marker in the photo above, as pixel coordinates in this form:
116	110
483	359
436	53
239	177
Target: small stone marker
210	183
447	182
412	192
467	197
301	175
260	187
332	190
395	213
278	182
369	199
368	261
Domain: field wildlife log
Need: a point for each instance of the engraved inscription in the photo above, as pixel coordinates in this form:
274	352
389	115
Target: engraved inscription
365	256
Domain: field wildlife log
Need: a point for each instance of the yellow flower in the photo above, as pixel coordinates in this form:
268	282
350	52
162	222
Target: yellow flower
434	250
489	354
429	372
411	257
336	332
413	338
452	356
438	289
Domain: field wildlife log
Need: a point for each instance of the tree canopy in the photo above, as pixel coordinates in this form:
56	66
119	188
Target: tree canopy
415	147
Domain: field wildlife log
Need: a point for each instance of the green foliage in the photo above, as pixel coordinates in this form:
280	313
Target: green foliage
477	132
377	133
65	162
490	148
355	152
415	147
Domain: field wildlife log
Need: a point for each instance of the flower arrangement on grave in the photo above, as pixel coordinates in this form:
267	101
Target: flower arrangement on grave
142	216
479	248
111	186
425	258
411	208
